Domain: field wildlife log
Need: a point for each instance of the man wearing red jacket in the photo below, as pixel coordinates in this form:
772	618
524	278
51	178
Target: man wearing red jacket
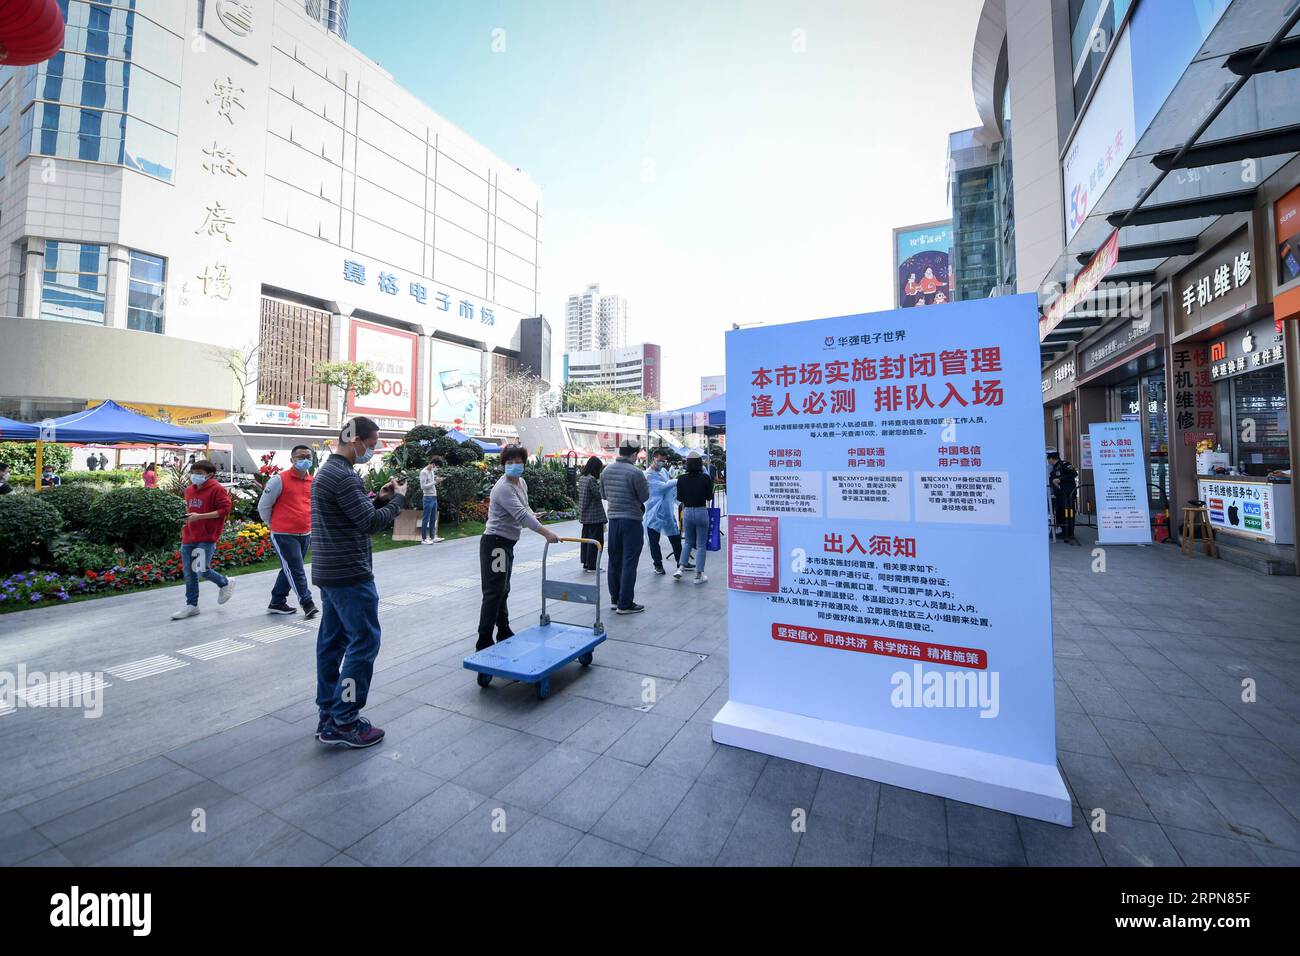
206	507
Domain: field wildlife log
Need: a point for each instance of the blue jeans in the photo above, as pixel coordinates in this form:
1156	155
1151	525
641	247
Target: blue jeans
292	549
349	636
625	543
188	552
429	526
695	535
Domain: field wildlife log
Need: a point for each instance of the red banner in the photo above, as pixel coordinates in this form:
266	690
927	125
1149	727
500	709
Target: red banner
920	651
1103	260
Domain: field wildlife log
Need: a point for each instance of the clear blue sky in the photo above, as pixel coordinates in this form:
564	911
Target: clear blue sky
735	160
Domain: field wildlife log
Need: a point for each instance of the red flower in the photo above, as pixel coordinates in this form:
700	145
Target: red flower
92	575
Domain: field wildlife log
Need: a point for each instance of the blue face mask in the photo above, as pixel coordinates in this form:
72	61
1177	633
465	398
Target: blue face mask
198	479
514	470
365	456
302	464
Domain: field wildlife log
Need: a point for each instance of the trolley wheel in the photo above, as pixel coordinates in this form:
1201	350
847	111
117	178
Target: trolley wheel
543	689
484	680
585	659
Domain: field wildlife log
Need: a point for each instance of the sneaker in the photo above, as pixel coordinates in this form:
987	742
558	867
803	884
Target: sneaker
322	725
223	594
701	578
190	610
634	609
438	540
677	575
659	569
688	567
425	541
360	733
309	611
283	607
613	606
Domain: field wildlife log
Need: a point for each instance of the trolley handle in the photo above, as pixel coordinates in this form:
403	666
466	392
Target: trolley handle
546	548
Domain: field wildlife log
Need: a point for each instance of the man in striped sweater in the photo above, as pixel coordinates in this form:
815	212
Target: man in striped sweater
343	519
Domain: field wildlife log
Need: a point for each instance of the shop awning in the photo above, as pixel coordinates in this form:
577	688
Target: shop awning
11	430
711	413
111	424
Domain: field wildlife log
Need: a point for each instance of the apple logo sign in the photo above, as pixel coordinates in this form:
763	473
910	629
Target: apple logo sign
1248	343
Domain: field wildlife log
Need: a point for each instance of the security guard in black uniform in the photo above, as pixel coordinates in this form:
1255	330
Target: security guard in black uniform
1064	480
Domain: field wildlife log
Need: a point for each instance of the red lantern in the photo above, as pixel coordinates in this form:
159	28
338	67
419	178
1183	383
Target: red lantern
31	31
295	405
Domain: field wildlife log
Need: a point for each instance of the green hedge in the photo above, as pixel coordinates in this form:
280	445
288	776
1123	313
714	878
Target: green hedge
73	503
20	456
137	518
112	477
28	524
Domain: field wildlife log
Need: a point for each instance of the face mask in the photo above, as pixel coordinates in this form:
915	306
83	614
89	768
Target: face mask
302	464
365	455
515	470
198	479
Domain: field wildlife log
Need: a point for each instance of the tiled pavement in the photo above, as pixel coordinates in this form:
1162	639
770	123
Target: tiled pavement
204	754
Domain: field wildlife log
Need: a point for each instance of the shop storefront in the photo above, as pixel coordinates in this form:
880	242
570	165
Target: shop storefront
1059	409
1121	377
1232	409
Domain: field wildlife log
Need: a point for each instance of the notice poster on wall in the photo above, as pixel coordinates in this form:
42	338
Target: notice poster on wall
905	632
1119	477
752	553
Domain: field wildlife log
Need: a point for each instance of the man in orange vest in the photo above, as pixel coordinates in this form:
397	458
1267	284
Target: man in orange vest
285	508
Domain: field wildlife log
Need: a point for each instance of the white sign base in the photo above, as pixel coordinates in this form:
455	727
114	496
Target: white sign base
959	773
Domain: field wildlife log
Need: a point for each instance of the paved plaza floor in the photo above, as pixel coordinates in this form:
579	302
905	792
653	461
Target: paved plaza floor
204	752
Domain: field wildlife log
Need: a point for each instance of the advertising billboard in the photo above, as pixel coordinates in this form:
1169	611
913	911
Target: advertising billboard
394	356
651	373
923	264
889	599
1286	215
455	386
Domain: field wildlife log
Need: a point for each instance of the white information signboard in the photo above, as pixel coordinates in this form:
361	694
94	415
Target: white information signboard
1119	475
889	611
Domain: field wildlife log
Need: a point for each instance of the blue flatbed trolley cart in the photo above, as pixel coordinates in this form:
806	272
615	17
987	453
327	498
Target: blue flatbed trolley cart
534	654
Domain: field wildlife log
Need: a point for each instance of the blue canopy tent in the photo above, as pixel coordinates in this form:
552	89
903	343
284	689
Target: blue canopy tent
488	447
11	430
110	424
710	414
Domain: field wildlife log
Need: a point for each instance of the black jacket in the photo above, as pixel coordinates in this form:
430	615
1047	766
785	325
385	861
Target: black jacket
694	489
1069	478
